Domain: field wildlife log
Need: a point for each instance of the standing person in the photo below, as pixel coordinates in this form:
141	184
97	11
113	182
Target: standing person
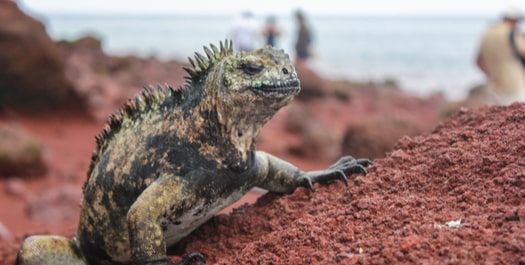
501	50
244	32
271	31
304	38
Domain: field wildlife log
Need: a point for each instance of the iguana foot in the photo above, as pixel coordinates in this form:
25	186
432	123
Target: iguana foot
191	258
49	250
338	171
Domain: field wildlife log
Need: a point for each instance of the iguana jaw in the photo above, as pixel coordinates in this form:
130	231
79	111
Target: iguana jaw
277	88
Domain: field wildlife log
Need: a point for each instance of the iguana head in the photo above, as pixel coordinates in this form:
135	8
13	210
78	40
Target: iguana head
264	78
249	81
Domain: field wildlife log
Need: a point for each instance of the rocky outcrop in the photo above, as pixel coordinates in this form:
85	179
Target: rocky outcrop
20	153
108	81
55	205
31	65
358	120
312	84
374	138
315	139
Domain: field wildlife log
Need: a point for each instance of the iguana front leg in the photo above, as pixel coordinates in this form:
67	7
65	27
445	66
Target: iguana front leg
168	194
281	176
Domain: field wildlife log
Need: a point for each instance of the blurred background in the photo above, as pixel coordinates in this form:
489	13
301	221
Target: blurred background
426	47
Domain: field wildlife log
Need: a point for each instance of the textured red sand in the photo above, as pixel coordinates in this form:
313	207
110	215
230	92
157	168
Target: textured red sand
471	168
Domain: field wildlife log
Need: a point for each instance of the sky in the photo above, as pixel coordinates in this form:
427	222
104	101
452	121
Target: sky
324	7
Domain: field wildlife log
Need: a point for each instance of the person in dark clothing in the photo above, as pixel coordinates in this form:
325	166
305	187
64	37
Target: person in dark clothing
304	39
271	31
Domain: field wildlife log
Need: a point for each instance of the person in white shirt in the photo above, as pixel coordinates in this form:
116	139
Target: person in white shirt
244	33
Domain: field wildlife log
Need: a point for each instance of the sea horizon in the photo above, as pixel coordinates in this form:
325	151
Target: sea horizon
424	55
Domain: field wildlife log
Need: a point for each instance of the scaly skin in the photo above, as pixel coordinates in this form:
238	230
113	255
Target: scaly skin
169	160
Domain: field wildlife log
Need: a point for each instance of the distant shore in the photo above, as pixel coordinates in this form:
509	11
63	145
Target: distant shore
424	55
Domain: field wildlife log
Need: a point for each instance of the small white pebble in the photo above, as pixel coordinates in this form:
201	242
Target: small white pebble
453	224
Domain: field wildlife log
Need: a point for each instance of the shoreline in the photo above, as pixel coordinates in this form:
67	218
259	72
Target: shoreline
432	57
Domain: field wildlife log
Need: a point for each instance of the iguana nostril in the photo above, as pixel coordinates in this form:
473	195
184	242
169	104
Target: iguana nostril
285	71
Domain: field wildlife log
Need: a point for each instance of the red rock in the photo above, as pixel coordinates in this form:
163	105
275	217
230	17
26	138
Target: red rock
5	234
34	80
16	187
20	153
56	205
312	85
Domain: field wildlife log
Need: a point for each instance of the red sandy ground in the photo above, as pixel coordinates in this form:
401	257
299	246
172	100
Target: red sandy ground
471	168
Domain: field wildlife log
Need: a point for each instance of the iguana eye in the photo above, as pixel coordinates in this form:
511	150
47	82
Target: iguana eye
251	68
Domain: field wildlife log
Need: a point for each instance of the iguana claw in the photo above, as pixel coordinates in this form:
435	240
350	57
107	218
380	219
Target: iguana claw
338	171
191	258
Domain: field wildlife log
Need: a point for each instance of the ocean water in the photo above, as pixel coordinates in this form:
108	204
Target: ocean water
425	55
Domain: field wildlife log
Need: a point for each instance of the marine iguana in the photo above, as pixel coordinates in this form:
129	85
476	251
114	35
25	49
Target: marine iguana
170	159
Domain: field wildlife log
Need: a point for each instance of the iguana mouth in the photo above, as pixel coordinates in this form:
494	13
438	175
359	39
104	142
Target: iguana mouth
277	88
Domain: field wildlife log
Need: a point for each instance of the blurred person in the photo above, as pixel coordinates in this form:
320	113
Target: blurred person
271	31
244	32
500	56
304	38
